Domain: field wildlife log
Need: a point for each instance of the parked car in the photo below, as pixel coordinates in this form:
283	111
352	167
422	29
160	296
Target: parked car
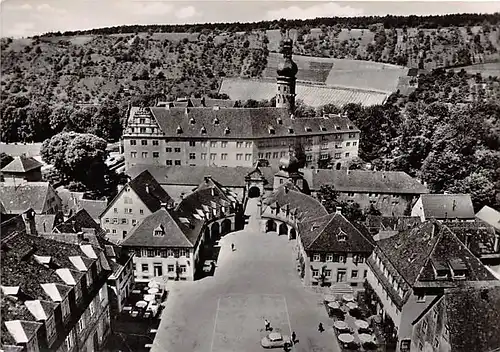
208	265
275	340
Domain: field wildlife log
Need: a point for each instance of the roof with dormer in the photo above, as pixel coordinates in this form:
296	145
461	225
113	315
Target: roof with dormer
447	206
415	252
238	123
333	233
18	198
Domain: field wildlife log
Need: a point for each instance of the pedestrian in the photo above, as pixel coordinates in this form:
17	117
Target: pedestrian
267	324
293	337
320	327
232	247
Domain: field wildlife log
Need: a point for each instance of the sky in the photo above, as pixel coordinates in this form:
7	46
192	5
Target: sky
21	18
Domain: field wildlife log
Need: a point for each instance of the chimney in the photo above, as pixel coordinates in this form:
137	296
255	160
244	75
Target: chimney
29	222
338	210
207	178
147	189
182	195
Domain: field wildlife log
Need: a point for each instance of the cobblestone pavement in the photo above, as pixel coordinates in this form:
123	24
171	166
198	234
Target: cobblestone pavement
225	312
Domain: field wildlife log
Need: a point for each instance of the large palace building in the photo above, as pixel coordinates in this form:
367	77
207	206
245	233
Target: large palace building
221	136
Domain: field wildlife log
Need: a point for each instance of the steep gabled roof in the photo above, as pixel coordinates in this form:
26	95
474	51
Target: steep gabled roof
143	234
22	164
193	175
249	123
447	206
388	182
18	198
490	216
478	236
149	191
412	252
304	205
333	232
76	223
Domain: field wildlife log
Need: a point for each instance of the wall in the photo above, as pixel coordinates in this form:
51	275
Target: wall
418	209
53	203
141	259
389	306
410	312
434	333
349	265
127	198
388	204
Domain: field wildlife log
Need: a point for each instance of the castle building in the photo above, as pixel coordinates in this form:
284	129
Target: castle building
227	136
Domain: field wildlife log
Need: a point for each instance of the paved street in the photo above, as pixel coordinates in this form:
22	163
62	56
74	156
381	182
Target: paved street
226	312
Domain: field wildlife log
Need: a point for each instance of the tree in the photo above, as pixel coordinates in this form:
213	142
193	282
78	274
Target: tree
352	211
328	198
300	153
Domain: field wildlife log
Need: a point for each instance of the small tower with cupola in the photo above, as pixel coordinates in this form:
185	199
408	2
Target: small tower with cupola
285	81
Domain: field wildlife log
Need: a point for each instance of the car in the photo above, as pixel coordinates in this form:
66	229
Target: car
208	265
275	340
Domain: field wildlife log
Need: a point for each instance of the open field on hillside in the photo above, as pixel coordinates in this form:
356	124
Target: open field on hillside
349	73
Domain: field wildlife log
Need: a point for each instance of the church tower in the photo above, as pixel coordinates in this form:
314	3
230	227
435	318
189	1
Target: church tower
285	82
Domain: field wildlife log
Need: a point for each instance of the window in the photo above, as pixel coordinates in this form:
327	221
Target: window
276	155
309	158
239	156
354	274
192	143
158	233
365	274
337	155
434	314
113	231
213	156
405	345
106	220
81	324
248	157
248	144
134	222
436	342
169	162
192	156
69	342
282	154
91	308
142	129
170	268
315	273
144	142
155	142
346	155
352	135
133	142
50	326
141	211
145	268
203	156
354	144
156	155
239	144
223	156
144	155
329	257
223	144
324	145
124	233
65	308
89	277
324	156
177	150
168	150
260	155
213	144
316	257
327	272
424	326
133	154
420	298
182	269
347	144
123	221
268	155
177	162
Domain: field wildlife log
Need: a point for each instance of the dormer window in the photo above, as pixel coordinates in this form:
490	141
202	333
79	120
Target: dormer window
179	130
159	231
279	121
322	128
203	130
227	130
458	268
350	127
441	270
308	129
290	130
192	121
142	120
216	121
338	128
271	130
341	236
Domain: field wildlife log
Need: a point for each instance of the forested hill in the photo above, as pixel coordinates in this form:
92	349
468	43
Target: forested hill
83	81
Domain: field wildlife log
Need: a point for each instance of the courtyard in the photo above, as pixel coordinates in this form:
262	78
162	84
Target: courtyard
226	312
